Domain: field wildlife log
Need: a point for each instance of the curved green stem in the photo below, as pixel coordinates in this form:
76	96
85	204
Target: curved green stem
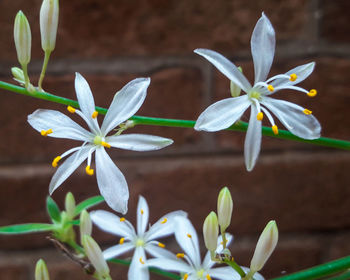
240	126
43	70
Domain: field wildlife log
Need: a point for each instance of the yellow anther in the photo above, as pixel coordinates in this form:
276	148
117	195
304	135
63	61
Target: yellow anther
142	211
275	129
122	219
164	221
232	259
46	132
161	245
307	112
185	276
208	277
180	255
293	77
94	115
55	161
189	235
312	93
260	116
270	88
121	240
71	109
141	261
89	171
105	144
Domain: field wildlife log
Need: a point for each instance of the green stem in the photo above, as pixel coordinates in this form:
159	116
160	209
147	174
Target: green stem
43	70
342	276
319	271
25	74
240	126
236	267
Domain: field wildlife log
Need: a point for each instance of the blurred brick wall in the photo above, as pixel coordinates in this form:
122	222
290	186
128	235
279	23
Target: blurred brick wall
304	187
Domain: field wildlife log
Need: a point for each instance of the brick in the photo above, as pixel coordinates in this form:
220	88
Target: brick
105	29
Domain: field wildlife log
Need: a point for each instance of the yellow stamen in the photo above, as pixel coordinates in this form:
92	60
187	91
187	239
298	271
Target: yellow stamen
55	161
232	259
89	171
46	132
293	77
141	261
180	255
142	212
260	116
307	112
71	109
189	235
161	245
185	276
164	221
275	129
121	240
105	144
312	93
208	277
270	88
122	219
94	115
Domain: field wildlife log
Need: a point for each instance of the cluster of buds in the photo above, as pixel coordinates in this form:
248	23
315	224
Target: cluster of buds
23	41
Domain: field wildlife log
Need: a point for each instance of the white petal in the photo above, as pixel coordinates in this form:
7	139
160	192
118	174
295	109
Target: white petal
252	141
138	142
142	215
125	103
222	114
138	270
207	262
164	226
117	250
159	252
111	182
186	237
111	223
61	125
224	273
293	118
226	67
263	48
86	101
172	265
68	167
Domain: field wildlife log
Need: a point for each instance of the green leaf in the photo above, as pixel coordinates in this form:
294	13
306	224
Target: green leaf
74	222
53	210
25	228
90	202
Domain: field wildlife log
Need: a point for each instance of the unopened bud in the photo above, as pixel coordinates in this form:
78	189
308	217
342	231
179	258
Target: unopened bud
48	24
70	205
85	224
94	254
234	88
211	231
225	207
18	74
265	246
41	272
23	38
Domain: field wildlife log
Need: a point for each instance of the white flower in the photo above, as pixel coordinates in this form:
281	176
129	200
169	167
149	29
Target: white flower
193	268
141	241
226	112
111	181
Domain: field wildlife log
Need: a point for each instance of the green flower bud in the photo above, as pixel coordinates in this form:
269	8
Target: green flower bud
70	205
18	74
23	38
41	272
85	224
93	252
225	207
265	246
48	24
211	231
235	89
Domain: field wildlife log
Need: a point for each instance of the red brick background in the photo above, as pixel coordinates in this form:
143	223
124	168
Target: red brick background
304	188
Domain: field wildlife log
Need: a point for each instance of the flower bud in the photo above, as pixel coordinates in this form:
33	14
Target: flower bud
48	24
93	252
265	246
85	224
41	272
234	88
70	205
225	207
23	38
18	74
211	231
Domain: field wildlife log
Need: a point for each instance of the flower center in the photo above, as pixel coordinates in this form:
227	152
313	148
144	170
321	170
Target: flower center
254	94
99	141
200	273
139	242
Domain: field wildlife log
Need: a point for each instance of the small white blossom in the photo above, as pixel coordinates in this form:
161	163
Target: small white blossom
226	112
125	104
140	240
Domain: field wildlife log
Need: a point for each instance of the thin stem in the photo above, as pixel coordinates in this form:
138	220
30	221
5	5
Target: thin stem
240	126
342	276
319	271
224	240
236	267
25	74
43	70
